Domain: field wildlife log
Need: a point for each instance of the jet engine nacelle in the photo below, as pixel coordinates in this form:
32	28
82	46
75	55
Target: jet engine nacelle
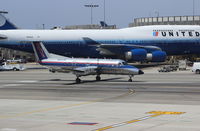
157	56
136	55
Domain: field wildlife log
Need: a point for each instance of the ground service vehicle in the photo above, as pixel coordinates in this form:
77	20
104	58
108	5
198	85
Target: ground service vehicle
196	67
15	67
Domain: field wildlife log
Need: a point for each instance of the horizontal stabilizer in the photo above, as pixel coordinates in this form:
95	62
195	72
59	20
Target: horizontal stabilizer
2	37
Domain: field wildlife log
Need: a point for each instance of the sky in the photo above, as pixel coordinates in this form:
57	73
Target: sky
32	14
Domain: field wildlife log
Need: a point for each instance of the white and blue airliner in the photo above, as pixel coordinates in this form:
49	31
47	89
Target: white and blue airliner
145	43
83	66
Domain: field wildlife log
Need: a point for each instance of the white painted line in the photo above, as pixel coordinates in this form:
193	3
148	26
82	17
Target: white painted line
144	118
8	129
164	82
28	81
10	85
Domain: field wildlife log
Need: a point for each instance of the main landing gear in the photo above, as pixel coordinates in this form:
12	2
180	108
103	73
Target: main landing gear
78	80
130	78
98	78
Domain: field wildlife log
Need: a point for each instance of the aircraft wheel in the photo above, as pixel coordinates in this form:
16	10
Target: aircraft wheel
78	80
130	80
197	71
15	69
98	78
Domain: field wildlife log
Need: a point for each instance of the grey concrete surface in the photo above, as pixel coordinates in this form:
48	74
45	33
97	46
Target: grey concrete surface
36	100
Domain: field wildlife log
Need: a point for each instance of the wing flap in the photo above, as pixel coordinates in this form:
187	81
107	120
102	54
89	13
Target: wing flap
108	49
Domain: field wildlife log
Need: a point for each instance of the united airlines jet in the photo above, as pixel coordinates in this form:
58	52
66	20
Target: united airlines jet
83	66
145	43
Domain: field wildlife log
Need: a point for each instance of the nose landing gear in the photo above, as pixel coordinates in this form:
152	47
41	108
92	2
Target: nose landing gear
130	78
98	78
78	80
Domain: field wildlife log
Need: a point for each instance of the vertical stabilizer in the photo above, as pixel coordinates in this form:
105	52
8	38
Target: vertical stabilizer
6	24
40	51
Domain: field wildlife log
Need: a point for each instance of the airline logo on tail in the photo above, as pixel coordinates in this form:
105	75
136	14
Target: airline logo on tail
40	52
5	24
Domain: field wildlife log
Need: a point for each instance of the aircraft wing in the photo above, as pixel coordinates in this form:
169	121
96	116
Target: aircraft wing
83	71
110	49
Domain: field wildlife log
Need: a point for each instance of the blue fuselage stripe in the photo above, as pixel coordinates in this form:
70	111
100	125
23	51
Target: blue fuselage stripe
81	49
63	64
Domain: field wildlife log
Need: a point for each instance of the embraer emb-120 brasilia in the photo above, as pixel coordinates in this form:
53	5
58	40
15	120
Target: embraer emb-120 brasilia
145	43
83	66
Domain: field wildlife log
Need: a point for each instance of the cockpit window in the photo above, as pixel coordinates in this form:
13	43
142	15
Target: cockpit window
124	63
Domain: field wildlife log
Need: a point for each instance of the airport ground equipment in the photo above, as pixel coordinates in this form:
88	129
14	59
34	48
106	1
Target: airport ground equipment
196	67
4	66
83	66
182	64
168	68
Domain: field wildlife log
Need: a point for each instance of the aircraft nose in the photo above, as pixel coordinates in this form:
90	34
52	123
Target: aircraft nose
140	72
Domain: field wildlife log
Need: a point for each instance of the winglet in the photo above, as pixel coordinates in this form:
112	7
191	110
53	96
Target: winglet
103	24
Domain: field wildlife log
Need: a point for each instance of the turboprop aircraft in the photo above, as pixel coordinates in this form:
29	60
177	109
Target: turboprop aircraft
144	43
83	66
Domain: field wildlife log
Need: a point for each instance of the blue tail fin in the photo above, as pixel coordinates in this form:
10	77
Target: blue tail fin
6	24
103	24
40	51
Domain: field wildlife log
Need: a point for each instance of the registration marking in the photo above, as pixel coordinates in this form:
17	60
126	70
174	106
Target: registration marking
154	114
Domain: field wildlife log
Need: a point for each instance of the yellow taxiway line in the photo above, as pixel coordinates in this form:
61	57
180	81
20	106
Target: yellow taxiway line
154	114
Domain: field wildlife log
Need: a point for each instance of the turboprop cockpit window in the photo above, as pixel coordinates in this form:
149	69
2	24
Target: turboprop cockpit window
124	63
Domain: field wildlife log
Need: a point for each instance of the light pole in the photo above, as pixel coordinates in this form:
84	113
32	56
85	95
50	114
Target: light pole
193	8
92	6
157	13
104	18
193	13
43	26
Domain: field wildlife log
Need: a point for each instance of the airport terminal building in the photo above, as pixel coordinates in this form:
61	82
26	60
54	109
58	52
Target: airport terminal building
166	20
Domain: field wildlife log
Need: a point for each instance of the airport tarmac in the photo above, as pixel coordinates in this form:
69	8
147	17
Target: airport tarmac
37	100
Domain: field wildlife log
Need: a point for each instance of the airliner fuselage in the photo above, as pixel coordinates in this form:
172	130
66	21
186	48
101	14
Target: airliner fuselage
172	39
